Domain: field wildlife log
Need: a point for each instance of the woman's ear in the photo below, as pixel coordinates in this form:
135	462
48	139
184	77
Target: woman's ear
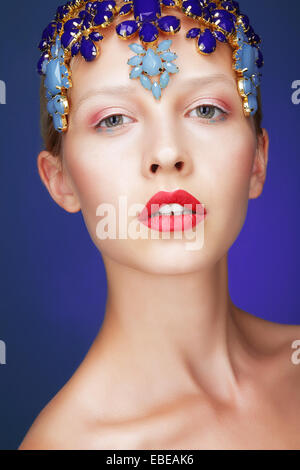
259	170
54	177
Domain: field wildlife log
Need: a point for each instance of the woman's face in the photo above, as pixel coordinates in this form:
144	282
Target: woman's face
111	158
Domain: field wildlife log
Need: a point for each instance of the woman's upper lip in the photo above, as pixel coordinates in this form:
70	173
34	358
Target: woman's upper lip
176	197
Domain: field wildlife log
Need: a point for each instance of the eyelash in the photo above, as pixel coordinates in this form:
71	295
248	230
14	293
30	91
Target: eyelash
220	117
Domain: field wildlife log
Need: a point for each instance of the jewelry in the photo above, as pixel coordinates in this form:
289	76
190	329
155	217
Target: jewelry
77	26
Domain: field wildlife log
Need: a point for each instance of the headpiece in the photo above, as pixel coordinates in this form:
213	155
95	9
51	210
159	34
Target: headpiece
78	26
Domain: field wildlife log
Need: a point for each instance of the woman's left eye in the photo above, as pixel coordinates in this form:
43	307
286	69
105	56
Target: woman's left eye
209	111
112	122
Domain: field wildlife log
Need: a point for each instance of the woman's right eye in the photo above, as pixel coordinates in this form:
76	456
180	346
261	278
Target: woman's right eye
112	122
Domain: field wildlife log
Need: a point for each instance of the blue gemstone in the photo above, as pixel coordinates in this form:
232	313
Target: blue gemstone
250	33
125	9
171	68
95	36
72	25
57	122
252	102
61	12
102	18
75	48
106	5
41	66
49	31
164	79
136	72
207	14
58	105
88	49
224	23
43	44
236	6
169	24
164	45
151	63
207	42
193	6
220	36
53	76
156	90
127	28
245	21
256	39
228	6
169	3
137	48
256	79
148	32
86	24
89	6
146	82
246	56
260	60
247	86
67	38
146	10
211	5
223	14
135	60
193	33
168	56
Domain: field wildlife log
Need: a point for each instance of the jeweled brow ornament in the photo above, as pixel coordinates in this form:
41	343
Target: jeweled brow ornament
78	26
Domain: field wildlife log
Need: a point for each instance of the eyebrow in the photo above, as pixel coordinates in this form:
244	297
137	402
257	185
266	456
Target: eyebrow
130	90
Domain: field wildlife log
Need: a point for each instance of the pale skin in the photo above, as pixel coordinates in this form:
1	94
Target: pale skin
175	365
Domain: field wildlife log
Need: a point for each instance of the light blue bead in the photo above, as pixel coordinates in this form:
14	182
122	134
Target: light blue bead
136	72
168	56
247	85
44	66
137	48
164	45
156	90
248	59
252	101
53	76
58	105
241	36
164	79
50	107
57	122
146	82
171	68
151	63
136	60
256	79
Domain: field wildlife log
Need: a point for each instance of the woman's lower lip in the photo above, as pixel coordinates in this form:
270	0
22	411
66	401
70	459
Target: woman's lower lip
173	223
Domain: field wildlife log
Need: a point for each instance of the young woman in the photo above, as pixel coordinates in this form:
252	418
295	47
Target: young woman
175	365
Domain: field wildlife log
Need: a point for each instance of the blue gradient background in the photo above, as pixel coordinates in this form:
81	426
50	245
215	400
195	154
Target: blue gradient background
53	286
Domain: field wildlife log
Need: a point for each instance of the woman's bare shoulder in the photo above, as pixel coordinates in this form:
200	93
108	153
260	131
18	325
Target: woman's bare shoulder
266	335
57	427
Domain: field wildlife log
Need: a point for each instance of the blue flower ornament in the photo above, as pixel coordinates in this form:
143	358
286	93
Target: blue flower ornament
149	63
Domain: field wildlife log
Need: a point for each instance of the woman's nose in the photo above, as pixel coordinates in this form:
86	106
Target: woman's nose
167	152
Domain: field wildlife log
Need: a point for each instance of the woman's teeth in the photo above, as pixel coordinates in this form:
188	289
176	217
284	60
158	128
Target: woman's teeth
172	209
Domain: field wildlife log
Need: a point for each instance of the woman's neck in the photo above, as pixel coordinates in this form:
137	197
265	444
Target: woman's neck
164	337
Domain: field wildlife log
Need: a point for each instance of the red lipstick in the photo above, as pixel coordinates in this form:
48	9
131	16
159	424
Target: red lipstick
150	217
